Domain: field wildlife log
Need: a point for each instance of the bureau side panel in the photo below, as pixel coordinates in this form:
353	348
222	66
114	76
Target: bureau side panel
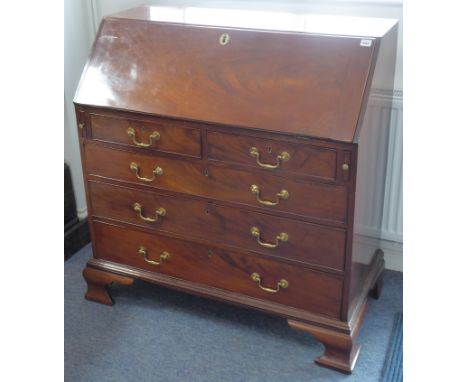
83	123
372	145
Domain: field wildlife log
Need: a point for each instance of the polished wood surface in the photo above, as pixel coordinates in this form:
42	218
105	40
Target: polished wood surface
310	85
321	201
97	282
305	159
341	349
185	201
180	138
307	243
221	269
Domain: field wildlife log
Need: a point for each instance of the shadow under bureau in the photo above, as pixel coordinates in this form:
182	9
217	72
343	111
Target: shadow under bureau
225	161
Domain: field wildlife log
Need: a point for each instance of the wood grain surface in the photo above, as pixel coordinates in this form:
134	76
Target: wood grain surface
322	201
308	243
179	138
307	289
302	84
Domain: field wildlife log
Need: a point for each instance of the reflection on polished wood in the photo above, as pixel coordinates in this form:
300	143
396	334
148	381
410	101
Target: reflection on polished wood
223	156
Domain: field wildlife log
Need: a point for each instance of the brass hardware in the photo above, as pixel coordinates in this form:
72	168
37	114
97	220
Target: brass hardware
206	172
81	126
224	39
158	171
345	167
258	279
283	194
163	256
210	253
160	212
282	237
283	157
154	136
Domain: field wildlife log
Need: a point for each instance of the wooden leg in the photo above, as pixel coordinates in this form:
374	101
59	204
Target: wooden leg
98	281
377	288
341	349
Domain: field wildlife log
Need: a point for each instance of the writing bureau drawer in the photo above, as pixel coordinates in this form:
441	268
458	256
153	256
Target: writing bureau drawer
285	284
263	190
247	230
273	155
155	134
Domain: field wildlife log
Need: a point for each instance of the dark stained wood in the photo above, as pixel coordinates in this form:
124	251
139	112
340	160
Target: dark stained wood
367	275
304	159
180	138
98	281
222	295
298	83
376	290
301	88
308	243
322	201
221	269
341	350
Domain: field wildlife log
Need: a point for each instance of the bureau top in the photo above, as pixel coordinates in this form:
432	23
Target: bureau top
297	74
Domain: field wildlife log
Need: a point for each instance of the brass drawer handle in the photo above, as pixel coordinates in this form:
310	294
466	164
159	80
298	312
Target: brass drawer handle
258	279
282	237
283	194
158	171
283	157
154	136
160	212
163	256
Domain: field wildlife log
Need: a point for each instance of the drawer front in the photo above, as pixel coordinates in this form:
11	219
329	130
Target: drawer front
304	289
160	135
305	242
304	159
316	200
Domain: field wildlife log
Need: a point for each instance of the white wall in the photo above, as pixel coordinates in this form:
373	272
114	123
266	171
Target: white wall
77	39
82	19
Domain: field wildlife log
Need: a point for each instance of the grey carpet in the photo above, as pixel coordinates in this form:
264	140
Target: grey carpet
393	369
155	334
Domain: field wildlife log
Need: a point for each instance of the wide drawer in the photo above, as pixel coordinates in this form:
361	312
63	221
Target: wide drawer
268	191
247	230
157	134
273	155
246	274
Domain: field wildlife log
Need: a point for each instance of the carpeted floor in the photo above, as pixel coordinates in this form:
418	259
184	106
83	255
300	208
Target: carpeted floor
155	334
393	369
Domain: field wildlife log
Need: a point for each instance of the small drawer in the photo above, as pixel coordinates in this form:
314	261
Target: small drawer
246	274
273	155
158	134
271	192
194	218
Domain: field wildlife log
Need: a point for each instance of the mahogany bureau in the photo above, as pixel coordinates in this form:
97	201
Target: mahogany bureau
226	161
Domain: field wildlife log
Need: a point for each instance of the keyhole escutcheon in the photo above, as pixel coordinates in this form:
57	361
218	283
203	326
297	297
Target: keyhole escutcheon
224	39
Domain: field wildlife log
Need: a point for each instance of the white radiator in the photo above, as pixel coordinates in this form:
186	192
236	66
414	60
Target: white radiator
385	107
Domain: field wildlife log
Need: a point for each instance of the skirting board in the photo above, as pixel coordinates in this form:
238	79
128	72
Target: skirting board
393	255
393	250
82	214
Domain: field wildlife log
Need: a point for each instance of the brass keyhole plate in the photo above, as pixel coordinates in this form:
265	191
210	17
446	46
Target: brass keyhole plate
224	39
